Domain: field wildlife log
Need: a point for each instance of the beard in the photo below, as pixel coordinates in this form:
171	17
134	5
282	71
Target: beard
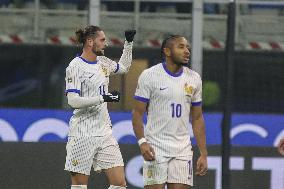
179	62
98	52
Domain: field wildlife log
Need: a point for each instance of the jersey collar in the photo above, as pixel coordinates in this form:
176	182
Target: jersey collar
89	62
170	73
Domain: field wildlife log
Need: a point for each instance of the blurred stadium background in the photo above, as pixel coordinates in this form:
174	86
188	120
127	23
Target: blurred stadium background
37	43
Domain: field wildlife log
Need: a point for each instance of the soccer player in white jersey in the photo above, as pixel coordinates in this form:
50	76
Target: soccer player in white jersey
90	140
170	93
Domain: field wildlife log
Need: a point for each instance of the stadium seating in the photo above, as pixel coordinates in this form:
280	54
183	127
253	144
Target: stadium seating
257	27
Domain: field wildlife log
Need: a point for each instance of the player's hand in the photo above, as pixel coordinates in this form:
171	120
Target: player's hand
129	35
202	167
280	147
113	96
147	151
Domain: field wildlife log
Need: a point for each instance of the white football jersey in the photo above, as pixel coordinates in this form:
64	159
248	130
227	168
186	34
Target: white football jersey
169	97
90	79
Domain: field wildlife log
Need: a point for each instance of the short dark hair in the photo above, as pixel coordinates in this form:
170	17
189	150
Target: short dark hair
82	35
166	43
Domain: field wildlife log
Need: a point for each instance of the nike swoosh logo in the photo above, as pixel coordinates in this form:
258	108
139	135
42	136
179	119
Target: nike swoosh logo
91	76
163	88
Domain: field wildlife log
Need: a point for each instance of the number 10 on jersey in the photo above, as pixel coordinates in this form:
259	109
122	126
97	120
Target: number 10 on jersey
102	90
176	110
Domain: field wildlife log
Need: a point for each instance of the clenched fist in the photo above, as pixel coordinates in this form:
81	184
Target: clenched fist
129	35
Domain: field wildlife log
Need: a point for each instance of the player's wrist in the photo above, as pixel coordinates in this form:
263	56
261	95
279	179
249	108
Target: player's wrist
204	153
141	141
102	99
113	96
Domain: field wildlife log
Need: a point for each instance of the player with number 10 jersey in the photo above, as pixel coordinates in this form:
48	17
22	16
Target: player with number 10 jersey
171	94
170	97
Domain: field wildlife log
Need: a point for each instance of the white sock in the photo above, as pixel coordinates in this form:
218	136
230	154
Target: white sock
78	186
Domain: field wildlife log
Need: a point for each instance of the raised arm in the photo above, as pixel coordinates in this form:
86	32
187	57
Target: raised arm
125	60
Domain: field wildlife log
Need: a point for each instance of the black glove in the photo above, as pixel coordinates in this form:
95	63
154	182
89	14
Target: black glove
113	96
129	35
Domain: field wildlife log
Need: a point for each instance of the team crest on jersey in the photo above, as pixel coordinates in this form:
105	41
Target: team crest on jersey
188	89
149	173
104	71
69	80
74	162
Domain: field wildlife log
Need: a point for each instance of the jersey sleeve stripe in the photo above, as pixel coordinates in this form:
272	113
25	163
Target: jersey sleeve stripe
142	99
117	68
72	90
196	103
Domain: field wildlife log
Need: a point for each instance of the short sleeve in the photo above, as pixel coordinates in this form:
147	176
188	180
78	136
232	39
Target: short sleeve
143	89
197	95
72	79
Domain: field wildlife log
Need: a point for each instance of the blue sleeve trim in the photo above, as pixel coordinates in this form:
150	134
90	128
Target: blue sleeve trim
142	99
196	103
73	91
117	68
